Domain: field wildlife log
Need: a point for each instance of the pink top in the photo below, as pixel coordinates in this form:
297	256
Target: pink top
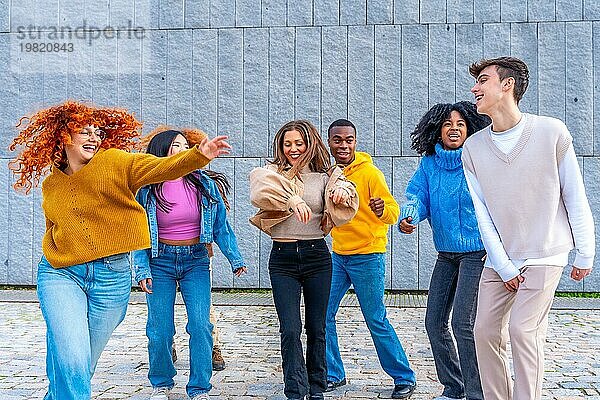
183	221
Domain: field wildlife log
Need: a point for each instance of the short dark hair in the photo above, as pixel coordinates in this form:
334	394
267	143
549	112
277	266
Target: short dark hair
507	67
340	122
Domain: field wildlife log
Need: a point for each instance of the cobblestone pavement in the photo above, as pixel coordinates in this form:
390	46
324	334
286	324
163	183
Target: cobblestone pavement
251	349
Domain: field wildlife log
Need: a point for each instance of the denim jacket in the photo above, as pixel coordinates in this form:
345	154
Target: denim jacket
215	228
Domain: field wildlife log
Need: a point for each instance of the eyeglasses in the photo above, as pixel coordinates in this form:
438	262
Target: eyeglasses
100	134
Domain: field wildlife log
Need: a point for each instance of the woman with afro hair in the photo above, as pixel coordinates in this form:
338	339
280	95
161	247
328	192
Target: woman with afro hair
439	193
93	222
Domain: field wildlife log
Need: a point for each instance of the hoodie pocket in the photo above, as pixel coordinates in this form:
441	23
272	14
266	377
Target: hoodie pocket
354	236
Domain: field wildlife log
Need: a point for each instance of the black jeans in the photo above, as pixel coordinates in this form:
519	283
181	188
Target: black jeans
301	267
454	286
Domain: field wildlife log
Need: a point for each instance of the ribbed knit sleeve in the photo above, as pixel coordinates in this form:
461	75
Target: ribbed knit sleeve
416	205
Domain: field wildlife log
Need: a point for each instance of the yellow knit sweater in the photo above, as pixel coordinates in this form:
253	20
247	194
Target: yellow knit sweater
93	213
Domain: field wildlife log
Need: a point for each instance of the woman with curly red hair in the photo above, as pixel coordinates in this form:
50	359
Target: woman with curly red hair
92	223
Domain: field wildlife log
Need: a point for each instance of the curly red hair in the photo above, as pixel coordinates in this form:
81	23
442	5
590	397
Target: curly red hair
43	137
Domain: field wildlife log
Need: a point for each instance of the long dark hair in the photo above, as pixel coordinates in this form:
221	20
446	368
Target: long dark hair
428	131
159	146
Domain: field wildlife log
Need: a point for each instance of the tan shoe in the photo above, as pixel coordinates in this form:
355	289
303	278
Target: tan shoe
218	363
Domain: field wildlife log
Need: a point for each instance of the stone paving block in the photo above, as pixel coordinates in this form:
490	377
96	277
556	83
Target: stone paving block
496	40
256	92
460	11
551	69
274	13
406	12
300	13
388	119
361	94
405	248
197	14
442	64
579	103
326	12
486	11
171	14
380	12
205	81
248	13
414	70
432	11
281	87
129	80
180	78
308	75
541	10
513	11
154	79
247	235
523	44
591	10
334	90
353	12
469	49
230	117
222	13
568	10
147	13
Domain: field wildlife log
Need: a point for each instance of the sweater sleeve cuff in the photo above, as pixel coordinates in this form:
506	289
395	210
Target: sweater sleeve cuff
583	262
507	271
294	201
409	210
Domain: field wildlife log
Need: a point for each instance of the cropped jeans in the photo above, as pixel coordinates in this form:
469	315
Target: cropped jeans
82	305
190	266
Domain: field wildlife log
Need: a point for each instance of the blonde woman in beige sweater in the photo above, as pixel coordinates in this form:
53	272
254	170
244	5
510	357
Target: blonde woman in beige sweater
301	197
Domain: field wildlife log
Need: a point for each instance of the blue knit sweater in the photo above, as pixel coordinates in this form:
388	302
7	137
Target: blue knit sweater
438	192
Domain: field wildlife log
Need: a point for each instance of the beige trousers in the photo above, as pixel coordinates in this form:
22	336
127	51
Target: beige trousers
522	316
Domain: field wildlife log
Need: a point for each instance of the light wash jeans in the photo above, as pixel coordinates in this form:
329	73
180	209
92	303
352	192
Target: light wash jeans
366	272
82	306
190	266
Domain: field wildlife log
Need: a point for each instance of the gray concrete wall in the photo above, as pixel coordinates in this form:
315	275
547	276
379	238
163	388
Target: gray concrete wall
243	67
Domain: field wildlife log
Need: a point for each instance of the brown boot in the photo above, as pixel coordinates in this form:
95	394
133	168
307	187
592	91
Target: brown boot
218	363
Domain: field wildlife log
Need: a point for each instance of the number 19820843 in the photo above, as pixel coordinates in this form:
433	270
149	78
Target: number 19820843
46	47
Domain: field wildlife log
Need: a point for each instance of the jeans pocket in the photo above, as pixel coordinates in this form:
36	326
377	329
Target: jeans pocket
118	262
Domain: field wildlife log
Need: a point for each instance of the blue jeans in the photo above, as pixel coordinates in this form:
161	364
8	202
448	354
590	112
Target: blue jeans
82	305
454	286
295	268
366	272
190	266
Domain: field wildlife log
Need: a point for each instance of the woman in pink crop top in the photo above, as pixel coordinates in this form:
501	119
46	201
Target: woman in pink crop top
184	215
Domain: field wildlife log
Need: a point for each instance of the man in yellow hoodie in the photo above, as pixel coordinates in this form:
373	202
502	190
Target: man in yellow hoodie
358	259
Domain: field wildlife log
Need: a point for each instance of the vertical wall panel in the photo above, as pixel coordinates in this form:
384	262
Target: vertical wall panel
104	69
569	10
469	49
334	89
205	81
415	87
154	79
300	13
460	11
55	67
222	13
596	62
486	11
406	11
388	121
496	40
591	10
248	13
39	228
97	13
256	92
80	83
385	164
20	238
281	85
513	10
442	61
147	13
541	10
129	68
171	13
361	85
353	12
433	11
551	71
121	13
274	13
179	78
523	44
380	11
327	12
579	102
308	75
591	179
230	95
9	94
197	14
5	187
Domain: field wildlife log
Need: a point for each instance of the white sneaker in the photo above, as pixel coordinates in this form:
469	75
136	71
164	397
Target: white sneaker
448	398
160	393
202	396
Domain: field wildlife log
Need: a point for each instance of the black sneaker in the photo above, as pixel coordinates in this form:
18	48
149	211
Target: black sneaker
403	391
334	385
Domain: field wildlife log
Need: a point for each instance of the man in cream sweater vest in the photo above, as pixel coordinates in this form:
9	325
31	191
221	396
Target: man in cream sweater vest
532	210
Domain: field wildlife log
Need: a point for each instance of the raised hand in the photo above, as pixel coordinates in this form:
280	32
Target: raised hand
214	147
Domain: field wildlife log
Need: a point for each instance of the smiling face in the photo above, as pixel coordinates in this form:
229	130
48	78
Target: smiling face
293	146
84	145
342	144
453	131
490	91
178	144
